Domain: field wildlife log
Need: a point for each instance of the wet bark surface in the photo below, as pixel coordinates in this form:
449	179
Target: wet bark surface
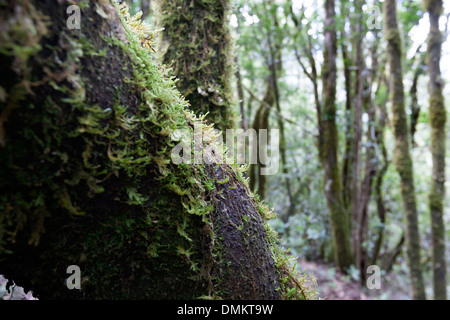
245	254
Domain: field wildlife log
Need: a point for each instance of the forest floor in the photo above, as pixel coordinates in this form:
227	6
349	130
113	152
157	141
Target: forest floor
334	285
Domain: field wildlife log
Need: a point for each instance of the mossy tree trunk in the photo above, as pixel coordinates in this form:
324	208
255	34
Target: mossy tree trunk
402	156
347	177
328	148
86	176
197	42
438	137
383	163
357	130
415	107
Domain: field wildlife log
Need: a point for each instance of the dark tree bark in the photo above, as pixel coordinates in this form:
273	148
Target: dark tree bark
85	157
275	67
270	102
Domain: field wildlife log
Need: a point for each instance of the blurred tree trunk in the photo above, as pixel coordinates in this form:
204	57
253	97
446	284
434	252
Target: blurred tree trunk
402	157
275	67
197	42
438	141
261	121
347	159
270	102
240	89
329	146
244	124
371	165
355	203
415	107
145	7
383	163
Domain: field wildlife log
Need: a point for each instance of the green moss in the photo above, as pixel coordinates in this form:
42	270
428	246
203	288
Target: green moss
294	285
82	150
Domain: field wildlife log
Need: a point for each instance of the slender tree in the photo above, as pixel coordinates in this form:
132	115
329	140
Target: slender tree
196	41
274	61
383	163
347	177
261	121
402	156
438	138
329	145
415	107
